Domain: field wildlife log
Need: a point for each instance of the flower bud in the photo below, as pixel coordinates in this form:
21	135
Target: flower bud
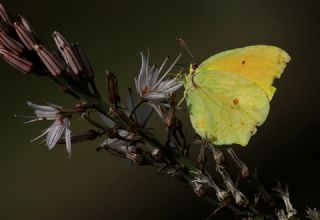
17	62
54	66
10	44
71	59
4	15
113	88
27	38
88	71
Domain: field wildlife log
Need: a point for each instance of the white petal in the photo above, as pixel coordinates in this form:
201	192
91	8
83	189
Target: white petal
53	105
154	96
124	133
150	74
145	79
68	136
55	132
142	74
171	89
49	115
41	107
137	83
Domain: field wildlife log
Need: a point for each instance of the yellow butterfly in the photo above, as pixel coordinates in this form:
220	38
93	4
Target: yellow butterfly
228	94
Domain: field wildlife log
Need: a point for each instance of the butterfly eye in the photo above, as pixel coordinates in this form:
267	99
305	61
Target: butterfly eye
194	66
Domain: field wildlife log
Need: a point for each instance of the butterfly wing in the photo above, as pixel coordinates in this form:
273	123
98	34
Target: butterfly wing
258	63
225	107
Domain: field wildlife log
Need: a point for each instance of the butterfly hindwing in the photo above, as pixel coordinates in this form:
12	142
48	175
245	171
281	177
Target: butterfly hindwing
225	107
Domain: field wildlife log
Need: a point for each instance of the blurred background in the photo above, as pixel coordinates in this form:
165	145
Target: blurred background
37	184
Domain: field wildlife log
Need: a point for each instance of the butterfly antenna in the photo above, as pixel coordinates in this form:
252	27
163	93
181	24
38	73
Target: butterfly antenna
184	45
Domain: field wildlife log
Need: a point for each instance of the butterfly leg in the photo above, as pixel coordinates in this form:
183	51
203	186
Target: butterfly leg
183	98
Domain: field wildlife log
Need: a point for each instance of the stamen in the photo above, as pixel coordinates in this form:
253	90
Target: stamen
166	73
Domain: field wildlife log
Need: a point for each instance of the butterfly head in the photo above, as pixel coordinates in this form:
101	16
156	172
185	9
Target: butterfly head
193	68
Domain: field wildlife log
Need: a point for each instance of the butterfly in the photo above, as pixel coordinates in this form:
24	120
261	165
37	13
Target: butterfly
229	94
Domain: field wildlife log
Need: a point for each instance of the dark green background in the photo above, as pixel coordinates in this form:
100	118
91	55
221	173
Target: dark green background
37	184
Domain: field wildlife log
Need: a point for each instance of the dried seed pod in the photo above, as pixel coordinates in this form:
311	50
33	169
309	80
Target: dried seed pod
242	166
217	155
284	194
238	196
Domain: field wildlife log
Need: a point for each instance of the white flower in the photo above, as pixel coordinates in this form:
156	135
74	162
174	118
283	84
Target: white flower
152	89
60	126
123	147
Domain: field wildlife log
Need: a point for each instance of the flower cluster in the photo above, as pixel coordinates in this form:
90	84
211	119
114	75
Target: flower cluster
60	125
21	48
